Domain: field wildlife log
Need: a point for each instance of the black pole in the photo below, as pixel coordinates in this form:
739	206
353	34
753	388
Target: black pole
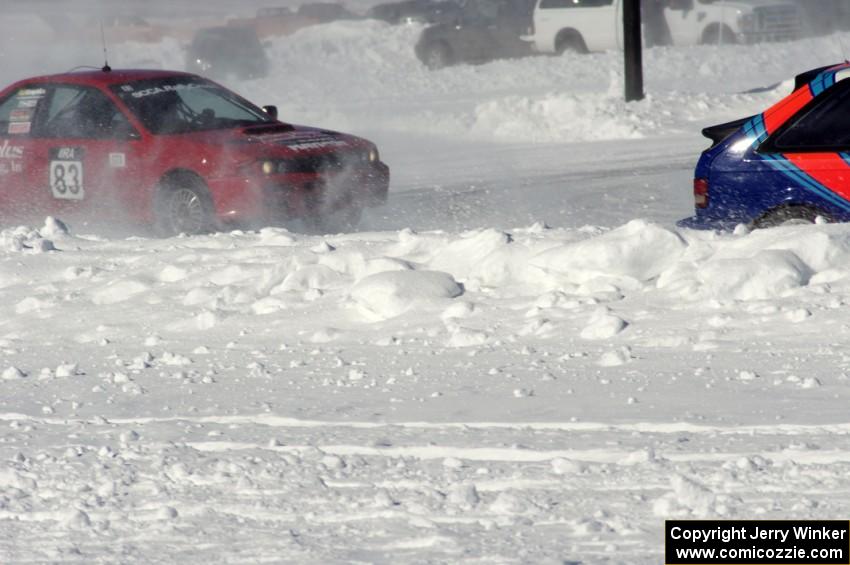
633	50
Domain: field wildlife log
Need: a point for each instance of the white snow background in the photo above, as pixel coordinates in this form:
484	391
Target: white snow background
519	360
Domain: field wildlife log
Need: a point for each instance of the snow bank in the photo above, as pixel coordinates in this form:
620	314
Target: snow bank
638	251
389	294
531	282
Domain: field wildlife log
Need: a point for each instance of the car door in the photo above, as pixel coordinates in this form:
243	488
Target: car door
88	157
471	38
512	21
18	150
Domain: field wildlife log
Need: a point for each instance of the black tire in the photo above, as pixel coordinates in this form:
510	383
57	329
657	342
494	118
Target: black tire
788	216
717	35
570	42
437	55
183	205
345	220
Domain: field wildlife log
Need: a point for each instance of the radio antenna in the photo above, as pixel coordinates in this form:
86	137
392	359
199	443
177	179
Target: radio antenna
106	68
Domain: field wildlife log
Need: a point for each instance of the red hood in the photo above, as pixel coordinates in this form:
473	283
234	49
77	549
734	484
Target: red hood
282	140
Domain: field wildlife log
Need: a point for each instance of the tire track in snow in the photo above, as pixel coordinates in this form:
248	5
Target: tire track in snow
286	422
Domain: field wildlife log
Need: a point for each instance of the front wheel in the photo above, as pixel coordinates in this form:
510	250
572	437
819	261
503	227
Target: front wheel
345	220
184	206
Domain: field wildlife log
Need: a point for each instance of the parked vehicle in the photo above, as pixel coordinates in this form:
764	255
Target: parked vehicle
484	30
274	22
228	51
789	164
325	12
416	11
176	151
596	25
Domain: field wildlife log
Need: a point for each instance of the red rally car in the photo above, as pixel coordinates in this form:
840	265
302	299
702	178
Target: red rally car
176	151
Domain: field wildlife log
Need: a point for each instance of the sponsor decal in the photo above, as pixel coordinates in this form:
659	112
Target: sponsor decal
117	160
19	127
304	141
20	115
7	167
310	145
166	88
66	173
28	102
31	93
67	153
11	152
127	88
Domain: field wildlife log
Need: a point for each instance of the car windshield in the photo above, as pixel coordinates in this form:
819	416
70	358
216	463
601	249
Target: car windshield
187	104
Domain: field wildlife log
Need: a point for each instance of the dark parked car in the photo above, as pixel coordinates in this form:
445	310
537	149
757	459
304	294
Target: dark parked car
484	30
325	12
416	11
231	51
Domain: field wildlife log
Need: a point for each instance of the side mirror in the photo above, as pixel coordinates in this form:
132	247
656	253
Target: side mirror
271	111
125	131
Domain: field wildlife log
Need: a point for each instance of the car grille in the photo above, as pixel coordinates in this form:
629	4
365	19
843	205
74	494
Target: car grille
327	162
779	22
284	201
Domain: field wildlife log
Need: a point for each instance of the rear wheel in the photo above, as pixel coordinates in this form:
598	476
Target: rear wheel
183	205
718	34
437	55
569	42
789	216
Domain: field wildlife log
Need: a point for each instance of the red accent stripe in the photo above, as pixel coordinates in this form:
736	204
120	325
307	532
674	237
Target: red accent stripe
779	113
829	169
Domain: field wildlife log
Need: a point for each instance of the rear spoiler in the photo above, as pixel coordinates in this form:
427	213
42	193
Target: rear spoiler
719	133
803	79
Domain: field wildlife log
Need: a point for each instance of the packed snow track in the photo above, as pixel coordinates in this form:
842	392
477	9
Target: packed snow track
518	360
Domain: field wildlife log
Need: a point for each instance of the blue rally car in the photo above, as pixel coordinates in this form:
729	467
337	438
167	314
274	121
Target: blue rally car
789	164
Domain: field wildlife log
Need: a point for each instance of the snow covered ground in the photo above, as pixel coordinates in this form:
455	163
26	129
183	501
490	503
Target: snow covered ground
521	360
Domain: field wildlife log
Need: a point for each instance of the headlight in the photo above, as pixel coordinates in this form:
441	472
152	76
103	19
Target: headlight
374	156
273	167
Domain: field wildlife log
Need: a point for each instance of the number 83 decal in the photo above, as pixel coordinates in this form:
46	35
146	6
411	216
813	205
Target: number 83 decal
66	179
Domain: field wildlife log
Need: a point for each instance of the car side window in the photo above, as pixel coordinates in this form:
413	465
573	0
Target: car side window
18	111
560	4
825	125
208	105
83	112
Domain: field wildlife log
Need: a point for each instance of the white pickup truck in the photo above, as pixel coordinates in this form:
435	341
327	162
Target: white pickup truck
596	25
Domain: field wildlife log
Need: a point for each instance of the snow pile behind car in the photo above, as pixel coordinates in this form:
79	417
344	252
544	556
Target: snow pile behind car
364	76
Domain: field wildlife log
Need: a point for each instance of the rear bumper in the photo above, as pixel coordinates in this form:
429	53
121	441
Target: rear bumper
299	195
